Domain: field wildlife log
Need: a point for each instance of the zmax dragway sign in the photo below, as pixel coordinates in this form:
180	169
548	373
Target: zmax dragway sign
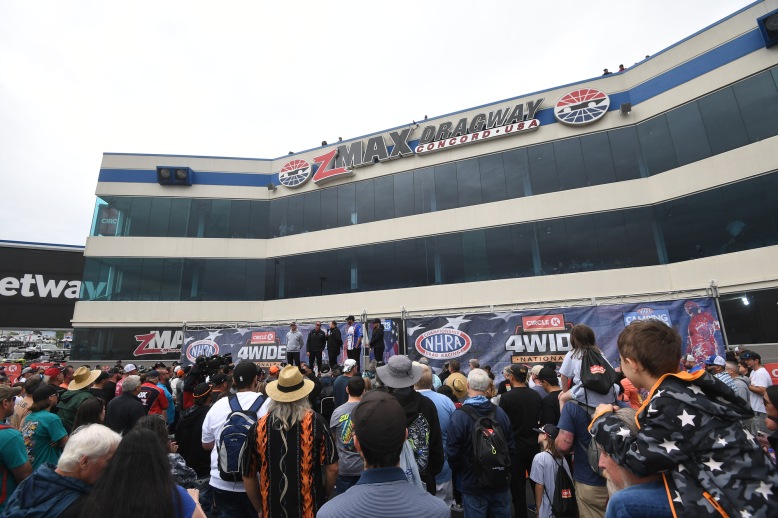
341	161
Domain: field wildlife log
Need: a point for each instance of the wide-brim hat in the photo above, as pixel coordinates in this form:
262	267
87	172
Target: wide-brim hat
459	387
399	372
291	386
83	377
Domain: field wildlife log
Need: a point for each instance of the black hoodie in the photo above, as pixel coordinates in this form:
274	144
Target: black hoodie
189	433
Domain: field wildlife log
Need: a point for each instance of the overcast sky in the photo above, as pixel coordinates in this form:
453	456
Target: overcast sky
257	79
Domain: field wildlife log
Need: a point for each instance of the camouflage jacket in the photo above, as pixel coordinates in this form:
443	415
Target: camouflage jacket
690	432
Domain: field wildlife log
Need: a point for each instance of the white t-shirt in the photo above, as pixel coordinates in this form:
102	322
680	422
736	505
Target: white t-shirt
571	367
544	468
215	420
759	378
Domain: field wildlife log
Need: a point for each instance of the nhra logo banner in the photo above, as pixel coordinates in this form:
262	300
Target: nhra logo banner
539	336
266	346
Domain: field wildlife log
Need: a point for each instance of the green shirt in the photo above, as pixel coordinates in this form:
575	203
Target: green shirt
41	431
12	455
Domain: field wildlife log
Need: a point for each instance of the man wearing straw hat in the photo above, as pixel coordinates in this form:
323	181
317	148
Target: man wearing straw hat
286	451
77	393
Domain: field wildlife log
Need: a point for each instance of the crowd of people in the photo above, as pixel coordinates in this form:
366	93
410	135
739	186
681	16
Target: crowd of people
666	437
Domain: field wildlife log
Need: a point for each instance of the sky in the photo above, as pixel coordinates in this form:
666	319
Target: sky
257	79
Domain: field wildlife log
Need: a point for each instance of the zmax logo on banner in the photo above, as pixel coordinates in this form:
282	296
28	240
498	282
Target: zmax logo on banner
662	315
440	344
201	348
159	342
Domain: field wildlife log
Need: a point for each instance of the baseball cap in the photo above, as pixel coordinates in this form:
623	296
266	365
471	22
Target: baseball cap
715	359
750	355
244	372
518	371
274	369
376	320
350	317
102	376
43	392
379	422
325	367
160	365
536	370
52	372
548	429
547	374
152	374
349	365
129	368
689	358
218	378
202	389
7	392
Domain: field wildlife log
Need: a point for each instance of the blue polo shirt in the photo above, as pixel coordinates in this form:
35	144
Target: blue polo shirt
575	419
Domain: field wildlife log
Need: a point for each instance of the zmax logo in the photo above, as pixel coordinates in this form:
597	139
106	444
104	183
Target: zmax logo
159	342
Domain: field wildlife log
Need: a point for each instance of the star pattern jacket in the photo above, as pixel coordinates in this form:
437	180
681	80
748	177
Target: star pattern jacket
690	432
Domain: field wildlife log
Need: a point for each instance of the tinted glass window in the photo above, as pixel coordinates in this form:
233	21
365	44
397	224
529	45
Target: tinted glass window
198	219
170	287
450	259
403	195
446	193
643	235
542	169
657	145
258	223
278	218
517	179
569	164
365	202
424	186
723	123
758	101
552	246
411	265
151	279
159	217
329	208
688	133
627	155
296	215
138	221
240	211
597	158
218	222
469	183
179	217
384	197
492	178
312	211
347	205
475	256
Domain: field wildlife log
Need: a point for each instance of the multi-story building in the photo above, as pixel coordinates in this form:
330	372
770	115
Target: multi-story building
656	181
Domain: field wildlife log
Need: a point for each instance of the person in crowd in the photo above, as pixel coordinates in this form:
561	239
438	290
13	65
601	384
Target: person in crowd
544	469
716	365
582	339
14	463
43	432
177	385
294	344
436	383
334	343
449	393
189	431
473	363
590	491
444	488
196	375
182	474
68	373
152	397
550	412
60	491
22	406
55	378
230	497
77	393
140	458
421	417
629	394
444	372
313	397
625	487
218	384
535	384
349	462
379	435
317	339
129	370
291	445
91	411
456	380
690	364
353	340
689	431
376	343
760	380
98	388
109	386
771	394
477	502
741	389
522	406
123	411
339	385
163	384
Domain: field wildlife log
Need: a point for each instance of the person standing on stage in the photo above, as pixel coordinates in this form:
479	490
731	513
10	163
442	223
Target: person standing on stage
294	344
334	344
353	340
315	345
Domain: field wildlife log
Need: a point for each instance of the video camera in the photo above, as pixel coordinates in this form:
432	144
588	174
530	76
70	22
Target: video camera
210	365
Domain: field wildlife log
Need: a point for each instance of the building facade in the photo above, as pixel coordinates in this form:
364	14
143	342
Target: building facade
657	181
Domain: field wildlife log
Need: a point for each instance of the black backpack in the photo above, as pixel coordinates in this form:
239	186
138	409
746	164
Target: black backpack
563	504
596	374
491	459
